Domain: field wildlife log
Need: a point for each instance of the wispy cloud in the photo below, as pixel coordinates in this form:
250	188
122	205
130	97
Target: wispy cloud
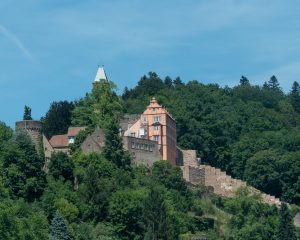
16	41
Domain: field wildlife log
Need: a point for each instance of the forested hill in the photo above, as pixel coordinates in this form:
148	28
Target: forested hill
249	131
252	132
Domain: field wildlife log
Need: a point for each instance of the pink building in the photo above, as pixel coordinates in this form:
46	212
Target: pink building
157	124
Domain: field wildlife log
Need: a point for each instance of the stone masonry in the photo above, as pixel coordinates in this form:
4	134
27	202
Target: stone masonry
224	185
33	128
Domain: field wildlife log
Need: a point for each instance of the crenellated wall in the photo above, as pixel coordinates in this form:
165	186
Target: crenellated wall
222	184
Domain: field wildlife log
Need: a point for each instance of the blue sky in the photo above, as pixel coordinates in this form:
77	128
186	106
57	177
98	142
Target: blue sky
50	49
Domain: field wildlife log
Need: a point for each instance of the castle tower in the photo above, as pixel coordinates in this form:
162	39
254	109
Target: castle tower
162	129
33	128
157	124
100	74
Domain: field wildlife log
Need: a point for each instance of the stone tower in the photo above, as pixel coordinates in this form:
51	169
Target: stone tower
33	128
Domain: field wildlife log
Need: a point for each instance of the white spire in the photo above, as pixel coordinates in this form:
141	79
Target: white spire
100	74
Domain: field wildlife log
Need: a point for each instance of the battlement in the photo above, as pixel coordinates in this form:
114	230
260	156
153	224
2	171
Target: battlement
222	184
32	127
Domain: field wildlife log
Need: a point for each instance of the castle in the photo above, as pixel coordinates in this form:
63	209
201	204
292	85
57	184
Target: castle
148	137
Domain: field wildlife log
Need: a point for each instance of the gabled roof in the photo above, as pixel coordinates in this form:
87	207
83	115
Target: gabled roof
60	141
100	74
73	131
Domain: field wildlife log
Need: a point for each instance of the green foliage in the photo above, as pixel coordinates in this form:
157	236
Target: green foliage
27	113
157	221
124	212
58	118
61	166
251	219
59	229
252	132
6	133
295	97
22	168
286	228
113	149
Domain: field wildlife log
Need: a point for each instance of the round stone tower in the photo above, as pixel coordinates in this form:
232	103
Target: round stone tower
33	128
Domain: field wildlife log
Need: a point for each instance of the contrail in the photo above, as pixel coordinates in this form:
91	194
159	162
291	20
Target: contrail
16	41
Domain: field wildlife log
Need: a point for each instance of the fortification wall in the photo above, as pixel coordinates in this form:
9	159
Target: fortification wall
222	184
33	128
144	151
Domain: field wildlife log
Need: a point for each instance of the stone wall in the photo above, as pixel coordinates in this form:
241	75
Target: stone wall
222	184
94	142
144	151
33	128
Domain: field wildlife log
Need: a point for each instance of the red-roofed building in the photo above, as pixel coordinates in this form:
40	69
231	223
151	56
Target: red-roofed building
60	142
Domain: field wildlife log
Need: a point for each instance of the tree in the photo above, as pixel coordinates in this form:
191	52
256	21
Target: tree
58	118
168	81
124	212
113	149
286	228
295	97
27	113
61	166
244	81
177	82
155	214
262	171
58	228
6	133
106	103
273	84
23	173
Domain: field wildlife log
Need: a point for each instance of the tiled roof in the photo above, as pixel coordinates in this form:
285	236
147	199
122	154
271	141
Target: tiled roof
73	131
59	141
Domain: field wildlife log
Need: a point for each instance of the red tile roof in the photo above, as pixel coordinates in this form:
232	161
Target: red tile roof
59	141
73	131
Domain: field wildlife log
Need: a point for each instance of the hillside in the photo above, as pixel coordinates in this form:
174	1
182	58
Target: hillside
251	132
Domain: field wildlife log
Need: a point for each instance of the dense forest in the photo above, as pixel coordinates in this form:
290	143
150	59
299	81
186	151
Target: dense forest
251	132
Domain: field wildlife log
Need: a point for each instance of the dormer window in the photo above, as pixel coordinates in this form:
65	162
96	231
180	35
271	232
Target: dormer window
153	109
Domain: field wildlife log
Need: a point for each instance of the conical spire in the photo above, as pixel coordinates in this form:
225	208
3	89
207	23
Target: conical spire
100	74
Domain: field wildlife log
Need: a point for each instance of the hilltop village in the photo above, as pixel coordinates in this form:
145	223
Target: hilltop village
148	137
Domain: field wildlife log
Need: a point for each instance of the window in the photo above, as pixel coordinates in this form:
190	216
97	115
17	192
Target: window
153	109
132	145
155	128
132	134
146	147
137	146
142	146
156	138
71	139
156	119
151	148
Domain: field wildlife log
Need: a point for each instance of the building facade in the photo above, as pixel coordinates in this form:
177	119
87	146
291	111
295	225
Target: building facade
157	125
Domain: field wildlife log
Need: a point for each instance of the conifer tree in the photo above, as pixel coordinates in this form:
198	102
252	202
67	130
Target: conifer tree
58	228
113	149
156	216
273	84
286	228
244	81
27	113
295	96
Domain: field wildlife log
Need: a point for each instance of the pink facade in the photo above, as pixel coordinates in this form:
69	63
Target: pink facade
156	124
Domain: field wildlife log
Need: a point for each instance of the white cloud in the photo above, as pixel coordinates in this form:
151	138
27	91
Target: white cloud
16	41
